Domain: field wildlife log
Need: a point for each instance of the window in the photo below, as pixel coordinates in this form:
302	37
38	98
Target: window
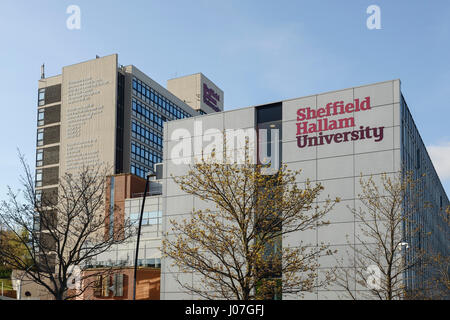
154	262
39	157
156	102
145	114
40	137
118	285
418	158
39	178
38	197
105	286
41	117
138	169
41	97
98	286
146	135
148	218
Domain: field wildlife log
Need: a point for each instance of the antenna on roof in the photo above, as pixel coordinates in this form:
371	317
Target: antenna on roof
43	71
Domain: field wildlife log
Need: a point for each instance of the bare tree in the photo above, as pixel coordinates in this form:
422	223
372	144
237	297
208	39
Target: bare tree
381	257
65	229
236	249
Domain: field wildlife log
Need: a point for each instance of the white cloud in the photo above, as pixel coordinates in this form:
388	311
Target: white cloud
440	155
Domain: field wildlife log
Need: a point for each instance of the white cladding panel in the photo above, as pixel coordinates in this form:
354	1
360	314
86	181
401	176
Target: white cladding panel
332	150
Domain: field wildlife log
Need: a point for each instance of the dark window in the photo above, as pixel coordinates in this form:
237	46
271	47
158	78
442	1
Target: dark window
47	156
39	178
268	118
39	157
40	137
50	176
51	135
52	114
120	120
269	113
40	117
41	97
53	94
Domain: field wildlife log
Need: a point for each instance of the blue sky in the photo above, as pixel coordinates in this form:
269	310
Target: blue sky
256	51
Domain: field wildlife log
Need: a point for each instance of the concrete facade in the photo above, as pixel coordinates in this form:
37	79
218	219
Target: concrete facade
100	113
198	91
330	157
96	112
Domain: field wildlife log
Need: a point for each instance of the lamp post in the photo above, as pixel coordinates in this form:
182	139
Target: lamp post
403	247
139	233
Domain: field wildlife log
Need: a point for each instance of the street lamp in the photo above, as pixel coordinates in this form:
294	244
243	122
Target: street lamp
139	232
404	244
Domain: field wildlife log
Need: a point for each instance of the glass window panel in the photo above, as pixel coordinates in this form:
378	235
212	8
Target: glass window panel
38	178
40	135
41	97
39	154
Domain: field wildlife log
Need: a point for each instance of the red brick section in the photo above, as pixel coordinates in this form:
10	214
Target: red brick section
125	185
10	294
147	285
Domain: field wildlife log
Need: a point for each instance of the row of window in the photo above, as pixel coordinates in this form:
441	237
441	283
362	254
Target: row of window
40	117
147	115
139	169
154	262
40	137
41	97
149	95
38	196
416	160
39	157
38	178
144	155
148	218
146	135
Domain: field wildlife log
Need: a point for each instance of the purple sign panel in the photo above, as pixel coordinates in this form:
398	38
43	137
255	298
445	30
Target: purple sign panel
210	97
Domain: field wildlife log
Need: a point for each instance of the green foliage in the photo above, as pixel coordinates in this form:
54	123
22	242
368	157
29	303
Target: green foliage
5	273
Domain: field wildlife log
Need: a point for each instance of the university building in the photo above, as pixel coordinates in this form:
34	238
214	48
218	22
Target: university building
99	112
334	138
